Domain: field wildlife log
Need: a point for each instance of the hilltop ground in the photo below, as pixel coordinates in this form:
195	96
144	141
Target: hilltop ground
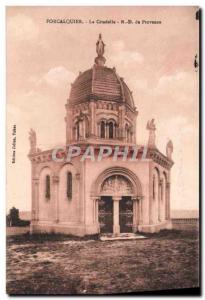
56	264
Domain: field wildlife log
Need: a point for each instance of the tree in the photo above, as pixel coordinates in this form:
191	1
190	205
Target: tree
14	216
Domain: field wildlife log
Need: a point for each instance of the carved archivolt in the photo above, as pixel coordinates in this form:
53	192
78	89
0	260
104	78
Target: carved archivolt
116	184
112	173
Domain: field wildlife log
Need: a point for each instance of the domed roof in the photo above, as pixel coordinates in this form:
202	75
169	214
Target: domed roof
100	83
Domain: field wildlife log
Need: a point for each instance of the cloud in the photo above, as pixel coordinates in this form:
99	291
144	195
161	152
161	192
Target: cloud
138	84
171	78
182	84
21	27
124	56
177	124
58	76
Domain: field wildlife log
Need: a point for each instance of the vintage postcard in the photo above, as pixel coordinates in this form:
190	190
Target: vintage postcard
103	150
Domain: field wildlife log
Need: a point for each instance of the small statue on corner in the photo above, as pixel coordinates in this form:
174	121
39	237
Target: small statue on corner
151	127
169	149
32	139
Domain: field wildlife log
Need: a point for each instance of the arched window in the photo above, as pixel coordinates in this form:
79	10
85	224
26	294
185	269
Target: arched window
131	134
111	130
162	189
69	185
102	129
165	196
153	188
86	127
48	187
127	133
78	130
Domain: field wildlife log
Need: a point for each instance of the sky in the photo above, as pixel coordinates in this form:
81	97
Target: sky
155	60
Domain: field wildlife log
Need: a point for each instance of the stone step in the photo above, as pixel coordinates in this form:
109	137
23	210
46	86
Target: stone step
121	236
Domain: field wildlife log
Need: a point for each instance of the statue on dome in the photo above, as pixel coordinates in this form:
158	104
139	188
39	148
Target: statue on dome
32	139
100	46
151	127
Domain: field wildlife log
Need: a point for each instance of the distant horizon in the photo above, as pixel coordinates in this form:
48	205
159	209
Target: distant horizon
175	214
171	209
197	210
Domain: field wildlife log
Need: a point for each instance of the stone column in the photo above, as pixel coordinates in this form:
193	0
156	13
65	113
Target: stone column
168	201
69	124
98	130
151	200
83	128
140	211
116	225
95	208
113	130
163	201
160	200
56	200
80	202
92	118
80	130
35	200
121	122
135	213
151	210
135	128
106	130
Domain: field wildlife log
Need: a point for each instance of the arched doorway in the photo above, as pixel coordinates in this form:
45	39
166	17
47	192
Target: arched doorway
117	195
115	207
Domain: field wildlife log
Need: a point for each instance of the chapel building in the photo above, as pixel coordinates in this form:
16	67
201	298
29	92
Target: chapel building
107	196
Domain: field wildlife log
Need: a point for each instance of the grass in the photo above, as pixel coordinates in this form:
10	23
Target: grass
58	264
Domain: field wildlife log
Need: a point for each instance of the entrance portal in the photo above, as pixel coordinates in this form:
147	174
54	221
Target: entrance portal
116	205
106	218
105	214
126	214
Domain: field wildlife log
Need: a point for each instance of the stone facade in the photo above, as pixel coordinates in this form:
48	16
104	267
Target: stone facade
107	196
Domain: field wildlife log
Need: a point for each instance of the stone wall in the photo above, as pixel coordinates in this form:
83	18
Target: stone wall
185	223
